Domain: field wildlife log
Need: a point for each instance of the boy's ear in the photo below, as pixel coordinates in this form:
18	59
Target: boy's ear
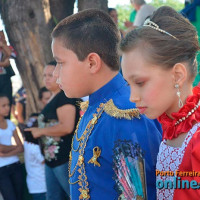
179	73
94	62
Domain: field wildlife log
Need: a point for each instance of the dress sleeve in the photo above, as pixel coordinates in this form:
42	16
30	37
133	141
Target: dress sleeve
191	163
195	155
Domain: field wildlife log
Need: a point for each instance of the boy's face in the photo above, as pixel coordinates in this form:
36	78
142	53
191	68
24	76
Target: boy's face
71	74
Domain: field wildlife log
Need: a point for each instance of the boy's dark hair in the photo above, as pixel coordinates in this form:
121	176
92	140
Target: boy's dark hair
90	31
41	91
3	95
161	48
53	62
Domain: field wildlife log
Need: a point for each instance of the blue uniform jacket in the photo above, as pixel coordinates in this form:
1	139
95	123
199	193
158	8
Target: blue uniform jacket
106	131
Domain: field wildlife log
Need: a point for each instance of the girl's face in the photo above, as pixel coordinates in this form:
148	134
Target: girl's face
49	79
152	87
4	106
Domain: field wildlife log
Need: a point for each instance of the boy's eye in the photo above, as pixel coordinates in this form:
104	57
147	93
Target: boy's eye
60	64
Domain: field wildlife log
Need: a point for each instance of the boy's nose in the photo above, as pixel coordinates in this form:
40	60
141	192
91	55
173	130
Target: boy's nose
56	72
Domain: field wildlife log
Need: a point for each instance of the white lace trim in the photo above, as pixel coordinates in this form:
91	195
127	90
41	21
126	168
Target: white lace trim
169	159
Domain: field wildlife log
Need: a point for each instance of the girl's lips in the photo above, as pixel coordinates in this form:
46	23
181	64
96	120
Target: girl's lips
142	109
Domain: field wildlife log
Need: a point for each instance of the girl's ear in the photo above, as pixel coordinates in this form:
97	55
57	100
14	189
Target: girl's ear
180	73
94	62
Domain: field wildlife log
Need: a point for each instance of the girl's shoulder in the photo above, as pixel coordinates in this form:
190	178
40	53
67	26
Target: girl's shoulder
10	125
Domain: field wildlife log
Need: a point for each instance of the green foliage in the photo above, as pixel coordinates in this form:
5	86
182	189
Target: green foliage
55	20
123	14
176	4
125	10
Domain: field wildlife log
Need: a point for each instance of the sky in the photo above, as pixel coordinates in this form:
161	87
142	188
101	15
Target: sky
113	3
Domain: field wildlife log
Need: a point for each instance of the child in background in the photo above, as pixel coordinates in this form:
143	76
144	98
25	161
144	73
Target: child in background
34	163
159	63
11	177
34	160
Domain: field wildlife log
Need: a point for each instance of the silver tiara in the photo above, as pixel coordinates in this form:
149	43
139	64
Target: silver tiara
153	25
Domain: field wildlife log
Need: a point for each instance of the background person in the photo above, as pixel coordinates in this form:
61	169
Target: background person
11	176
56	124
143	12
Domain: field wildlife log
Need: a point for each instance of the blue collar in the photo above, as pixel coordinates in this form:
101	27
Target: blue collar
103	94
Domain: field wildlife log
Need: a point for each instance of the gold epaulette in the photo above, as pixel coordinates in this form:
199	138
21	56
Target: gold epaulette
84	105
113	111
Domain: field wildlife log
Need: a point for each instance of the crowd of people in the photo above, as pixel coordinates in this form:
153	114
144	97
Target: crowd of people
137	124
46	153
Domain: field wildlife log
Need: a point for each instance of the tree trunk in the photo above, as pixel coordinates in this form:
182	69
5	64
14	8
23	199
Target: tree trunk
100	4
61	9
28	25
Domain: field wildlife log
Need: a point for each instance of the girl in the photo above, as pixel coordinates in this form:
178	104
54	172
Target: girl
159	63
11	184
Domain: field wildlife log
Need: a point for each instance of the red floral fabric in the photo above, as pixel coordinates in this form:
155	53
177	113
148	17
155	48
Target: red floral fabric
170	130
190	163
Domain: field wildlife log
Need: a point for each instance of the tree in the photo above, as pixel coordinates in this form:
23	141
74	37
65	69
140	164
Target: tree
28	25
85	4
177	5
61	9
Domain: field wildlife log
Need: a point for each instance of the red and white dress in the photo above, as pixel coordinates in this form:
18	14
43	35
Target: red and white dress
185	158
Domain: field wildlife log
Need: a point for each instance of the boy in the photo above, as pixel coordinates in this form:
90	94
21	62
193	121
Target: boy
85	46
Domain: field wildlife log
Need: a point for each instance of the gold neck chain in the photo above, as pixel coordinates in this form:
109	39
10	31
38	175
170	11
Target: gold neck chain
82	178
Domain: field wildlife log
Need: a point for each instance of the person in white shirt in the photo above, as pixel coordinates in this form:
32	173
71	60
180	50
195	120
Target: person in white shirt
34	163
11	176
143	12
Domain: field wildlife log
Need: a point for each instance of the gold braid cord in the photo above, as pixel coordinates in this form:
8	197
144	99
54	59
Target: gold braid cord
84	105
113	111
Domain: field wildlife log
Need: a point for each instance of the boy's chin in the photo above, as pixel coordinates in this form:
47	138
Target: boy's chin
69	94
74	94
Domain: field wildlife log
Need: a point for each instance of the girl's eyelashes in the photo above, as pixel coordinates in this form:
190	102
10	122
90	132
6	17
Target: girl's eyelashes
140	83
